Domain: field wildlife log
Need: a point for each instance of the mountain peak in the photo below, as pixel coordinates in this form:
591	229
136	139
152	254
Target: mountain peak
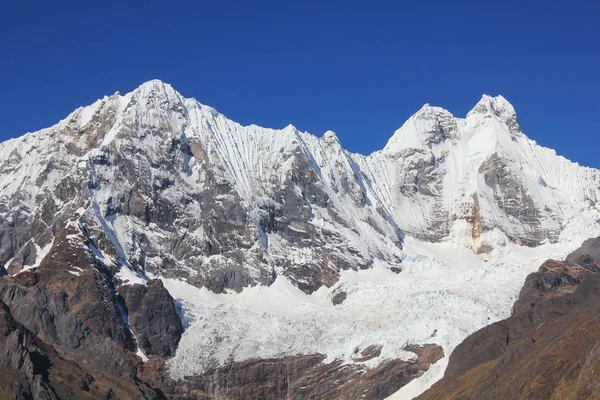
156	87
156	95
330	137
429	111
154	83
428	126
497	106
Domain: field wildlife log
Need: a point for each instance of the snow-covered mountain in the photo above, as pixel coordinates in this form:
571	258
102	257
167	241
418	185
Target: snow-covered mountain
282	222
172	187
179	189
477	180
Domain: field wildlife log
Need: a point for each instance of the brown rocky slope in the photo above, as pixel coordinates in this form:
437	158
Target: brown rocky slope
549	348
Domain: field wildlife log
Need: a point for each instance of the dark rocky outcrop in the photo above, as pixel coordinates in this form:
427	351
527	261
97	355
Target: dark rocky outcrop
152	317
339	297
301	377
69	302
369	353
63	333
588	255
547	349
25	256
33	369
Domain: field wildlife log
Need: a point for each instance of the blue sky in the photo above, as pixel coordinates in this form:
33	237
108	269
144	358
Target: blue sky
358	68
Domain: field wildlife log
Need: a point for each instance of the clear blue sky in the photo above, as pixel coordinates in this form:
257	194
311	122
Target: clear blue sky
358	68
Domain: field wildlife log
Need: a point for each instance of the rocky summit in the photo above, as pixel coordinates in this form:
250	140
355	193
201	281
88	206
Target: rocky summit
152	248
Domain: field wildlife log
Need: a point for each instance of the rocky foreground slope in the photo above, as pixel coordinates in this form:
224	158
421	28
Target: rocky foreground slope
151	247
547	349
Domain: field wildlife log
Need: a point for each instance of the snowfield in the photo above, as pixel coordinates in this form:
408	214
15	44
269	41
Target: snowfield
444	293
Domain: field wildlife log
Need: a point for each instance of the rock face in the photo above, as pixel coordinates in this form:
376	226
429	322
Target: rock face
547	349
33	369
301	377
68	301
63	331
588	255
152	317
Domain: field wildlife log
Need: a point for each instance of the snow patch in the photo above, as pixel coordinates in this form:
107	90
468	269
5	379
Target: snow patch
130	277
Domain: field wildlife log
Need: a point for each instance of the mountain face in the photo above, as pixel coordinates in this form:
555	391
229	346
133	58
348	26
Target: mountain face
478	180
547	348
148	222
171	187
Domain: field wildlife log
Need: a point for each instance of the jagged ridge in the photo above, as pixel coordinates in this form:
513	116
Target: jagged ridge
177	189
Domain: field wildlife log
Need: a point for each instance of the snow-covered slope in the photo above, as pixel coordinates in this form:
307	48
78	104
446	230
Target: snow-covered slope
261	228
478	180
176	188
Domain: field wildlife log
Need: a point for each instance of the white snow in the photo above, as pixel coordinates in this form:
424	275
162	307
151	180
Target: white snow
559	188
130	277
140	354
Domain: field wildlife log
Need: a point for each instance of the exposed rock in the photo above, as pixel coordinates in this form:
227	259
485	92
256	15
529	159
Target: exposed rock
513	198
369	353
24	367
26	256
300	377
33	369
339	298
588	255
63	330
69	303
554	278
152	317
